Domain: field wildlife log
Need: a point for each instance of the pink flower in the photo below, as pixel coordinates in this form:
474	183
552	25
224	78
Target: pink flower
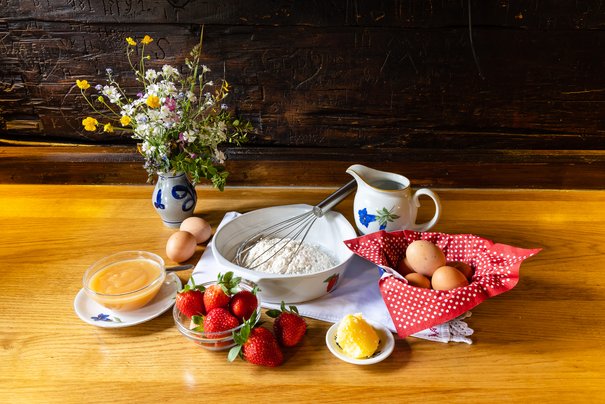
170	103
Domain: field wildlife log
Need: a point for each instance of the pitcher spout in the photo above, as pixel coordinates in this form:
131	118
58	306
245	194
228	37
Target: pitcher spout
358	172
379	180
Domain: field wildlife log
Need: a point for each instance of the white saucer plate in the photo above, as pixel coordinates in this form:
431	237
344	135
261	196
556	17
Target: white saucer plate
93	313
385	346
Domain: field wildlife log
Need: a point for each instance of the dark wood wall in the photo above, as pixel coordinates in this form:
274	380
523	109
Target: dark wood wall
450	93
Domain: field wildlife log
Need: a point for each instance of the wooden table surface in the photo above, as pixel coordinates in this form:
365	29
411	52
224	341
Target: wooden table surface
543	340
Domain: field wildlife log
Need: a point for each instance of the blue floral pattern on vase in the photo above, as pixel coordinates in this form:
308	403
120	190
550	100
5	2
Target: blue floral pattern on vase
158	201
186	193
174	198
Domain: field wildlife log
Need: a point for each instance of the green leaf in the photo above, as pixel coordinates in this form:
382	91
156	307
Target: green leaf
234	353
273	313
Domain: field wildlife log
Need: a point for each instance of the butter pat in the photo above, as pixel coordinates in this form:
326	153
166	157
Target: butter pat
356	337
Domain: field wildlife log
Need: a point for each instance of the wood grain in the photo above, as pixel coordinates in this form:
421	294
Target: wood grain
542	341
403	78
554	169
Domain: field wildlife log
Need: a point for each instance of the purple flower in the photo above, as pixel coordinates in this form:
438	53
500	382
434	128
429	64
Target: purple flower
101	317
170	104
140	95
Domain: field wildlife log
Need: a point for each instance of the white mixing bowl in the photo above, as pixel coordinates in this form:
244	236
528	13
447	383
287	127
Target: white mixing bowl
328	232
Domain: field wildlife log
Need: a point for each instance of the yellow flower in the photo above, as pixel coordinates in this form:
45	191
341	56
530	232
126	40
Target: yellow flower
153	101
131	41
125	120
90	124
147	40
100	98
83	84
108	128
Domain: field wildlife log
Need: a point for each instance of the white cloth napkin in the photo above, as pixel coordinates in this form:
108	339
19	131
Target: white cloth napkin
357	292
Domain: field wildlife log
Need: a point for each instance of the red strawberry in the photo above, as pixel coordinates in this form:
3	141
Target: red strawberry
256	345
243	304
219	319
219	294
289	327
190	300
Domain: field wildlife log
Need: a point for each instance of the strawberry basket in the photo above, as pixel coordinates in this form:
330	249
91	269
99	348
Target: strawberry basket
412	309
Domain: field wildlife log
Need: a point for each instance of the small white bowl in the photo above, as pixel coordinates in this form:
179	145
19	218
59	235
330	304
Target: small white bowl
385	346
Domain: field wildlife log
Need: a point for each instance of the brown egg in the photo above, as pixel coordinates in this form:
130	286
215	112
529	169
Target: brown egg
416	279
198	227
463	267
448	278
404	268
424	257
180	246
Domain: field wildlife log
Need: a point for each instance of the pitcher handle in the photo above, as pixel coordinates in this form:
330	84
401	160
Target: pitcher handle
415	199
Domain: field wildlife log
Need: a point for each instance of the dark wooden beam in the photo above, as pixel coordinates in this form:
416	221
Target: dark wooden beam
259	166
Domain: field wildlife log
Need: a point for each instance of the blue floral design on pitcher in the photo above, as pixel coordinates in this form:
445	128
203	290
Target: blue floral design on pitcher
383	216
365	218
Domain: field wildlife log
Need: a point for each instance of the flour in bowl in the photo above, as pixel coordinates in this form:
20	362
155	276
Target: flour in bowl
288	261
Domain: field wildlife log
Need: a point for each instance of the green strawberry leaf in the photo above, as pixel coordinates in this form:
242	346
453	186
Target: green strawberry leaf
199	320
234	353
274	313
228	283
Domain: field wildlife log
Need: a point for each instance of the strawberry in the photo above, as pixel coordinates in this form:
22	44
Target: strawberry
289	327
243	304
256	345
219	319
190	300
219	294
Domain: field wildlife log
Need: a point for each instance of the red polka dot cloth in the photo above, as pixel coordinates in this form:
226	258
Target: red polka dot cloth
412	309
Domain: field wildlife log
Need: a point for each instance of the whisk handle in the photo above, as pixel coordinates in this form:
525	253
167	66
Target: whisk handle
334	199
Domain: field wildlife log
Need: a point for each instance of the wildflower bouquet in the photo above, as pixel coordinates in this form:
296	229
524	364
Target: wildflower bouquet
179	119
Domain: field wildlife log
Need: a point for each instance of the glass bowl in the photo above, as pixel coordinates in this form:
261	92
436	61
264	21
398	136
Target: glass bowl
125	281
213	341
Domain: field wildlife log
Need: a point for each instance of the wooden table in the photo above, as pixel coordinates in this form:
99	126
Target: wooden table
543	340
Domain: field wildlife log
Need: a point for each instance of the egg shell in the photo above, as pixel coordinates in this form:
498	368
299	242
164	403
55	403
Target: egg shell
462	267
424	257
197	226
418	280
404	267
180	246
448	278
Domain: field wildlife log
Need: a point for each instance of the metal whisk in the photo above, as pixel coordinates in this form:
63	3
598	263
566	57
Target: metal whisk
287	231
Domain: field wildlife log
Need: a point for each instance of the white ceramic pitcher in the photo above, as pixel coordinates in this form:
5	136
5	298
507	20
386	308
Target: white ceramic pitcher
384	201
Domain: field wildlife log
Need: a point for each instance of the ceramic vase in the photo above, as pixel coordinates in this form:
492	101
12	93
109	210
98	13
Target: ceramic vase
174	198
